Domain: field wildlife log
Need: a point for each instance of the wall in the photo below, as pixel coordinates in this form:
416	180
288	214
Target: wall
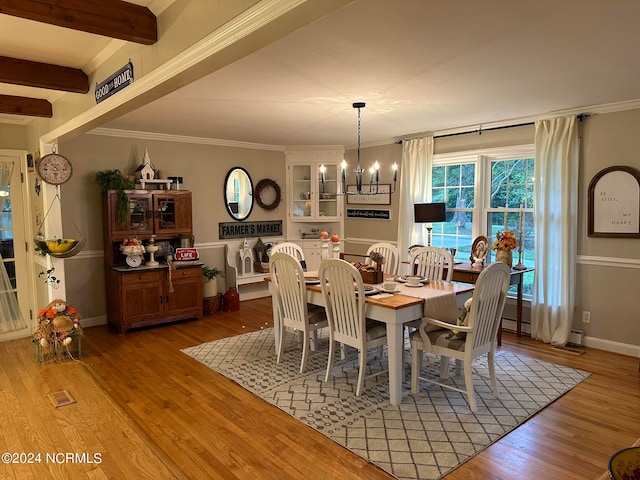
608	270
203	167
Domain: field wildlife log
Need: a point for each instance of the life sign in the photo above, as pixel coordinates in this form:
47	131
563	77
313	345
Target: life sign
116	82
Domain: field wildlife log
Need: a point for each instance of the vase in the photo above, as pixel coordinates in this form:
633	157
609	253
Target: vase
210	288
504	256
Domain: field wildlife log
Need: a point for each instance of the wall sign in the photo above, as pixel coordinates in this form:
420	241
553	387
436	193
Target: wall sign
614	203
249	229
383	197
369	214
116	82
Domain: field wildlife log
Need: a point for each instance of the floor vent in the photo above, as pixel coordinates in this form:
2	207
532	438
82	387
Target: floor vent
568	349
60	399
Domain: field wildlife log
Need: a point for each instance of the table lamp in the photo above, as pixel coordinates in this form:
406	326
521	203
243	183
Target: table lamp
429	213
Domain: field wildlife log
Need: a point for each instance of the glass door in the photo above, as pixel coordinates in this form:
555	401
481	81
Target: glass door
328	188
302	194
14	278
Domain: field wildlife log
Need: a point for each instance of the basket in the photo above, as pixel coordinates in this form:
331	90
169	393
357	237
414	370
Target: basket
373	277
211	305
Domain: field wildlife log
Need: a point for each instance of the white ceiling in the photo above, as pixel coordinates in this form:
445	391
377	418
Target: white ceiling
420	66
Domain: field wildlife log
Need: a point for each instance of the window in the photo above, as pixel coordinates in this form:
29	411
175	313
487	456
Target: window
485	192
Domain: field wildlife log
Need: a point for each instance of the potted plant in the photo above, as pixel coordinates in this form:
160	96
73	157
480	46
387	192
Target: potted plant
114	180
210	281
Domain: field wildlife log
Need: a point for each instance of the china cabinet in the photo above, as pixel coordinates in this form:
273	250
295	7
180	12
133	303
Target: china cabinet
149	295
314	202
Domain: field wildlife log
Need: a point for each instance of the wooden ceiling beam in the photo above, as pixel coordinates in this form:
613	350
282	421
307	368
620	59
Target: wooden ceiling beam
111	18
30	107
42	75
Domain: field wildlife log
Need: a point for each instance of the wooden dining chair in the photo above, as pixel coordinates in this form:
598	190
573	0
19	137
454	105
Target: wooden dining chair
343	293
291	302
390	254
465	342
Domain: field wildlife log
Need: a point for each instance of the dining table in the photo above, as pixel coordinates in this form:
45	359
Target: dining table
407	303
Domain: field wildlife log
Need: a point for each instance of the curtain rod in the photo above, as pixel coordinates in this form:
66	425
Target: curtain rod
580	117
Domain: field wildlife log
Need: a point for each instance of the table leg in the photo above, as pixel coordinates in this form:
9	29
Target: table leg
395	339
519	306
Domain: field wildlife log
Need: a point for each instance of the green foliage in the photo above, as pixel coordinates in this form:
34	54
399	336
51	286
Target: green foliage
113	180
51	280
210	273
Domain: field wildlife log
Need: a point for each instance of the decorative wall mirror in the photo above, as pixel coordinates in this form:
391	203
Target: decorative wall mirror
238	193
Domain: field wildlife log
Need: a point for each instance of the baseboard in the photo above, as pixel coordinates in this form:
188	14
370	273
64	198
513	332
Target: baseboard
591	342
93	321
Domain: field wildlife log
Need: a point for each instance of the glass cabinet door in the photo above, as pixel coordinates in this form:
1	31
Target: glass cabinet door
172	213
328	188
138	220
301	196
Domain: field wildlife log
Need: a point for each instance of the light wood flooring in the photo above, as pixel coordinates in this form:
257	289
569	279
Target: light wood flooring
150	411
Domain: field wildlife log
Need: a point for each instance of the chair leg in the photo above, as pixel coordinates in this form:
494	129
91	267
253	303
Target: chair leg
416	366
492	372
280	343
314	340
330	359
305	354
444	368
343	351
468	380
362	369
459	367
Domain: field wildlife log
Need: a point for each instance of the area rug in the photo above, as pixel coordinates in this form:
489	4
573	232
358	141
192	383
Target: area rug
425	437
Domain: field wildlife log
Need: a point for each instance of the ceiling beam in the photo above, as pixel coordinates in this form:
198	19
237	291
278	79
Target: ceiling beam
111	18
42	75
31	107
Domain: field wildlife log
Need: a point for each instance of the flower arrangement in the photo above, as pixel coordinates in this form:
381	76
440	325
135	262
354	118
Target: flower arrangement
505	241
57	322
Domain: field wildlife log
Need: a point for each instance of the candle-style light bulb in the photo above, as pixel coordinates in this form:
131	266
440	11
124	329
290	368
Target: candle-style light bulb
376	167
394	167
343	168
371	170
322	170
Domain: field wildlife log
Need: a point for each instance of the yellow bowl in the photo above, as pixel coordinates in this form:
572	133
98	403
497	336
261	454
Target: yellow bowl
60	245
625	464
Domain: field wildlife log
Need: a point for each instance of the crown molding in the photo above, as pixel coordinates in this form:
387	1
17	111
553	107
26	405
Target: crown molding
166	137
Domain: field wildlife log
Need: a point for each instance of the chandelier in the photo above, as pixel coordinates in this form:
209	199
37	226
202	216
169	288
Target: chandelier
374	172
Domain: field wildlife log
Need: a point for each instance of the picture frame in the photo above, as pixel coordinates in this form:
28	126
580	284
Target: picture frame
383	197
479	249
614	203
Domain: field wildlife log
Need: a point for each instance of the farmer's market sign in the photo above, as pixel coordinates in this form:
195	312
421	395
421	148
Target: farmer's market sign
249	229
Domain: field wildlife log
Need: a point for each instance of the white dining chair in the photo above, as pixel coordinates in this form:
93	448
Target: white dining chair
477	336
291	248
291	301
390	254
431	262
343	293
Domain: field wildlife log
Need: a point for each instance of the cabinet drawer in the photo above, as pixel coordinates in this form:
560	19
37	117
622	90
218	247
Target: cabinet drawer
465	277
187	272
139	277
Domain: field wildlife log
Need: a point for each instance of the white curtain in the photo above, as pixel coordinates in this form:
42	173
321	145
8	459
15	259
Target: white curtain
10	318
555	218
415	187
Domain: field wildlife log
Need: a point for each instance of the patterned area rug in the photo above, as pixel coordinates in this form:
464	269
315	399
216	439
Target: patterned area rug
425	437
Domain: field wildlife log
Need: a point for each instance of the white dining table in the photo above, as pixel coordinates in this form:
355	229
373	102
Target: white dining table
406	305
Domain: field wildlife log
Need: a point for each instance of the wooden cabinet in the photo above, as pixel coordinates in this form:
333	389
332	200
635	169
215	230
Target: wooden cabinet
142	296
150	297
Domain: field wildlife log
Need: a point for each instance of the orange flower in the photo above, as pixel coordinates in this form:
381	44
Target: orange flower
505	241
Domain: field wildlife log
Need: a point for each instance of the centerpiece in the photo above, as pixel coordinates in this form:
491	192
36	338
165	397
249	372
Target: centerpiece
504	245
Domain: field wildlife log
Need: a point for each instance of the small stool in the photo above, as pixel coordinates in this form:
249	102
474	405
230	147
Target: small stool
74	336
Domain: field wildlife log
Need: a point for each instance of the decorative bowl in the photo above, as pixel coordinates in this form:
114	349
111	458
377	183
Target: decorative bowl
60	245
625	464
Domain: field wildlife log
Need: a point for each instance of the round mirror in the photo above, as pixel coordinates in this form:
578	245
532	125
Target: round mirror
238	193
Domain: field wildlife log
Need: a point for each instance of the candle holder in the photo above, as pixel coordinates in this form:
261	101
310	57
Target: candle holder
520	265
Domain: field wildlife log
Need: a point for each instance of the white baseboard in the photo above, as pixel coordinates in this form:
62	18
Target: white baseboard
591	342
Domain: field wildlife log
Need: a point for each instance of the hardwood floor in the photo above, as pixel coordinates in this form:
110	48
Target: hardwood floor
152	412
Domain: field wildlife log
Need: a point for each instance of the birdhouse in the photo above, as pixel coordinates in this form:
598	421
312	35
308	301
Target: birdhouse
146	171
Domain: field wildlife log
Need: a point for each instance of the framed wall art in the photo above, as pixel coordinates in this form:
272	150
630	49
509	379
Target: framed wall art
614	203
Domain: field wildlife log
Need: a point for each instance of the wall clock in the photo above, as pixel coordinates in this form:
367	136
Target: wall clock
54	169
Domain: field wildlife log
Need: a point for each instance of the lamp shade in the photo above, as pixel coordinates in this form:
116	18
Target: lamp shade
429	212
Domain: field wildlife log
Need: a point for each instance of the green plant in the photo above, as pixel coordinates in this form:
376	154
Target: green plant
113	180
51	280
210	273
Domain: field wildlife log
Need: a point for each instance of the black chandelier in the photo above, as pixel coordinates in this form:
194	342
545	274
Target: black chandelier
374	171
